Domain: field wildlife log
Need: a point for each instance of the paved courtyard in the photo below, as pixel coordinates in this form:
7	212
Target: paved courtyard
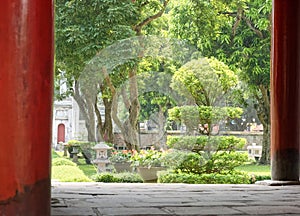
82	199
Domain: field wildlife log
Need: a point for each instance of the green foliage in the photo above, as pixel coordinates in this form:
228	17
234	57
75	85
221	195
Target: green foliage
125	177
105	177
193	116
211	154
191	143
237	33
147	158
208	82
62	162
225	162
191	163
128	177
57	161
84	28
88	169
80	143
68	174
54	154
175	114
120	156
205	80
191	178
200	143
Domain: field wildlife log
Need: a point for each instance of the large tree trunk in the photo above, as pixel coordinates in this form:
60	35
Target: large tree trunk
134	109
162	133
87	110
129	128
105	128
129	133
263	113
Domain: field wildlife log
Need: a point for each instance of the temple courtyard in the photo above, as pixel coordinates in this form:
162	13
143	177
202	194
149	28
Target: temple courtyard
82	199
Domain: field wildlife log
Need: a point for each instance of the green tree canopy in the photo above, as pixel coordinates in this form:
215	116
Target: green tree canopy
207	81
238	33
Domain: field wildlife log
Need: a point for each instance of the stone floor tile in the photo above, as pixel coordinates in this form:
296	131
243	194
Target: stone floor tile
132	211
270	210
73	211
70	199
203	211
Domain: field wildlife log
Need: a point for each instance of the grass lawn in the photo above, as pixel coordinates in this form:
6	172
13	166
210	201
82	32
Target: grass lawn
64	173
55	154
88	169
255	169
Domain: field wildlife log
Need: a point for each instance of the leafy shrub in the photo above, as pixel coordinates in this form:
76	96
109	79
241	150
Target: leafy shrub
105	177
68	174
191	143
191	178
211	154
225	162
147	158
183	161
120	156
62	162
201	143
125	177
128	177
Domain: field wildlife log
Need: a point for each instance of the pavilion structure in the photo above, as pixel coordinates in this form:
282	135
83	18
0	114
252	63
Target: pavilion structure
26	92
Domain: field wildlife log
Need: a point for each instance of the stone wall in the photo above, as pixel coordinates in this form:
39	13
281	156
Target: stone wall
151	137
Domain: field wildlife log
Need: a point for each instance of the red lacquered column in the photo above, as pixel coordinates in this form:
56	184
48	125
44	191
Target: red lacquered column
285	98
26	86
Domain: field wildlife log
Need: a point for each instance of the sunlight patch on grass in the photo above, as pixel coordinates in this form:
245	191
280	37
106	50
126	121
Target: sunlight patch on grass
69	174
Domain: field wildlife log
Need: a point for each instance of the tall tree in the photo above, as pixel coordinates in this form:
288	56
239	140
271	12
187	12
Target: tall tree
148	12
209	83
82	29
236	32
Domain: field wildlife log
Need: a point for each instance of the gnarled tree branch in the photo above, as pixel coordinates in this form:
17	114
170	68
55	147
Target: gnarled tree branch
138	28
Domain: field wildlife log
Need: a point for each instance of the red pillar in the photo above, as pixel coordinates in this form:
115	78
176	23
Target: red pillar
26	86
285	89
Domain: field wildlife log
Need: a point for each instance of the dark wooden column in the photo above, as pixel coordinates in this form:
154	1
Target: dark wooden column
285	89
26	88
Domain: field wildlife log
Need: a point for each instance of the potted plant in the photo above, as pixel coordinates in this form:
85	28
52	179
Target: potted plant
148	163
121	160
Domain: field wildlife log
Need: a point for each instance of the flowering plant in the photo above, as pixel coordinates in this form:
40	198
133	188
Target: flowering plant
148	158
120	156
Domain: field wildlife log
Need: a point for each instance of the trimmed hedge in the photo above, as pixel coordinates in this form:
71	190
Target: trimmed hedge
62	162
190	178
125	177
200	143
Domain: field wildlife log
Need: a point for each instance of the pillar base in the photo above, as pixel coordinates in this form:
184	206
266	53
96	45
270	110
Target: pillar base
35	201
277	183
285	164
